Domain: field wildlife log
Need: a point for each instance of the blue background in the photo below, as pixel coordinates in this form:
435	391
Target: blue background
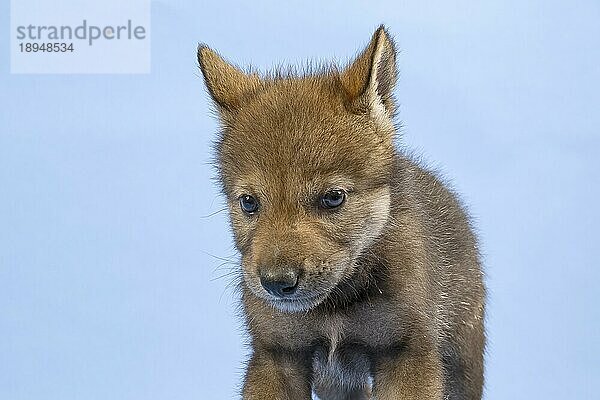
107	288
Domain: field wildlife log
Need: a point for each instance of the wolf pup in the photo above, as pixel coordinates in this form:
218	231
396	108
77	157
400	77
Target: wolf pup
360	271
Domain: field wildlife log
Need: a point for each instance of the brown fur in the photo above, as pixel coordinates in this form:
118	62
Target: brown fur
390	288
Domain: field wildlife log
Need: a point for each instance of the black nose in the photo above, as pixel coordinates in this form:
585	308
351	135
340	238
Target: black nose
280	283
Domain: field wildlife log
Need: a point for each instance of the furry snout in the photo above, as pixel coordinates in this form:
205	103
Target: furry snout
280	282
293	280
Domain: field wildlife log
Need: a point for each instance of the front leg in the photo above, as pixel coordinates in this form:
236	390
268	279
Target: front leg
412	375
277	376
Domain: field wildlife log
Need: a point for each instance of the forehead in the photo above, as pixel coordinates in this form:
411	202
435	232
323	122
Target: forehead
300	130
279	187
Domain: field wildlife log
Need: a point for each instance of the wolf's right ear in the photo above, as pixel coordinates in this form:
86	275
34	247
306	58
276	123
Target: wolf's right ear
370	79
226	83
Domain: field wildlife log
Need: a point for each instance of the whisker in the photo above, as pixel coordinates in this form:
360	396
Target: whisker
213	213
226	265
225	275
218	258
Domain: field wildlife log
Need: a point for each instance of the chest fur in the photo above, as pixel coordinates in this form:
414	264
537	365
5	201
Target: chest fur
340	360
346	367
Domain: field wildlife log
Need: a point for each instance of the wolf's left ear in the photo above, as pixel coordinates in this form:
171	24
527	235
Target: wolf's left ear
370	79
227	84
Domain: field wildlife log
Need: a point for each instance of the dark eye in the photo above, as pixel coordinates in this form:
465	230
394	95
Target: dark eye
333	198
248	204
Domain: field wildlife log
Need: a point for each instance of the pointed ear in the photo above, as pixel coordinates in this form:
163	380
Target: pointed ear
369	81
226	84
